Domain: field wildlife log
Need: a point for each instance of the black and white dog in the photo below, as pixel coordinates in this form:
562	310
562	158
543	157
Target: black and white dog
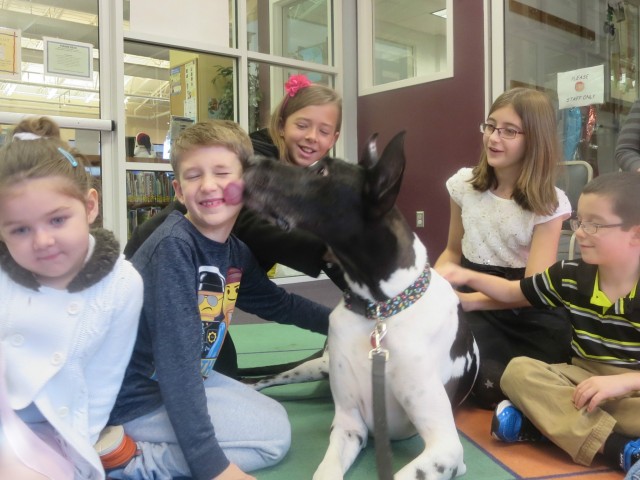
432	356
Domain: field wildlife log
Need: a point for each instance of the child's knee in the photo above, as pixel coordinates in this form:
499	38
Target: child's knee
513	376
275	448
280	430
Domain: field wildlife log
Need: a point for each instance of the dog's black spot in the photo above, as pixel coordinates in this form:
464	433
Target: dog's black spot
360	440
454	474
463	346
438	467
297	373
421	474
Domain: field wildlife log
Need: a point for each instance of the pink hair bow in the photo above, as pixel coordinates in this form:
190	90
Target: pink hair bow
295	83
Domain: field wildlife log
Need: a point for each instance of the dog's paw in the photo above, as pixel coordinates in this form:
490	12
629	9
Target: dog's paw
435	472
432	467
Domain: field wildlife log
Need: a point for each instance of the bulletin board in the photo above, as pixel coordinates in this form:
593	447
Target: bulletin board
184	89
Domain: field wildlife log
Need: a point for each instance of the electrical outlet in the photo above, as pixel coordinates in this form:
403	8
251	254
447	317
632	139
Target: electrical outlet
420	219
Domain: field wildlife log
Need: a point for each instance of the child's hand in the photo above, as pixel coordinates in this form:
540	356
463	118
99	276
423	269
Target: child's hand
466	301
454	274
596	390
233	472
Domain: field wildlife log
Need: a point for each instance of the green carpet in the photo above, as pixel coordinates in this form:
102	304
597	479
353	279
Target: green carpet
311	411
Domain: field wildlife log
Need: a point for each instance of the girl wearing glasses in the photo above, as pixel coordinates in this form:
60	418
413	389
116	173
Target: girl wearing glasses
506	218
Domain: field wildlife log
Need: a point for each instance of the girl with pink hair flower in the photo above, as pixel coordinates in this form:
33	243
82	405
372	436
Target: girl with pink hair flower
304	126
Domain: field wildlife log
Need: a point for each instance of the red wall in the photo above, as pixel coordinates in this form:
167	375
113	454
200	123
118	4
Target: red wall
441	119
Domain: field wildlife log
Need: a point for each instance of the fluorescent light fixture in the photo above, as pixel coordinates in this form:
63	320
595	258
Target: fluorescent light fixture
440	13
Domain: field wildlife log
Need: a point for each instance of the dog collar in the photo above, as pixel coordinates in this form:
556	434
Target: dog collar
388	308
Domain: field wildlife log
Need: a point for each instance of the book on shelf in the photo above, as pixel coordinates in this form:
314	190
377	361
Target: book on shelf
145	187
137	216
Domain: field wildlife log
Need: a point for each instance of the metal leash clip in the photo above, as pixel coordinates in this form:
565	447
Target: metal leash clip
376	337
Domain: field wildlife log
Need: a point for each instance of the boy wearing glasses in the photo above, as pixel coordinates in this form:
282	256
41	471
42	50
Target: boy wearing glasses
591	404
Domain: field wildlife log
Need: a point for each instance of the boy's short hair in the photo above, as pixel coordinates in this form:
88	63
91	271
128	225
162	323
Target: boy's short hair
623	188
223	133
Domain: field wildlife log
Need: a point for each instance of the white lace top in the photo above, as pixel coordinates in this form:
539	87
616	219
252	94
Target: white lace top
497	231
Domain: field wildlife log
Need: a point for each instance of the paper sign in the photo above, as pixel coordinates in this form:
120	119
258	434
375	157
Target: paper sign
10	53
68	59
581	87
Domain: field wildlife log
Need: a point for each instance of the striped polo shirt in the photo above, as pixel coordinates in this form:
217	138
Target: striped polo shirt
602	331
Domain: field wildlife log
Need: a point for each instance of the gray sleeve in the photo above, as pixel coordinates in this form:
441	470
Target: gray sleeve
260	296
628	146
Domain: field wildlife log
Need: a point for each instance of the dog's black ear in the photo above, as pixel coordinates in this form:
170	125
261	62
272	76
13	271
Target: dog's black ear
369	156
384	177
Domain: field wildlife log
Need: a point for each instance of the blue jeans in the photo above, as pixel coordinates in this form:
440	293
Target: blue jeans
252	429
634	472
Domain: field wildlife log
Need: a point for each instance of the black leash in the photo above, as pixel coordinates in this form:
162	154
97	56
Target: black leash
379	357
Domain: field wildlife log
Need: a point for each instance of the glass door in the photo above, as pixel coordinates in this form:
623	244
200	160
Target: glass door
547	42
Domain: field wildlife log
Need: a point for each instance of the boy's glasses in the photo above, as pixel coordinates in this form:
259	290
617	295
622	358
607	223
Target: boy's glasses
589	227
507	133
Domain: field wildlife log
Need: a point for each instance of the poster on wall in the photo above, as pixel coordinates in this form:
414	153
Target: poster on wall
581	87
174	79
190	79
190	108
68	59
10	53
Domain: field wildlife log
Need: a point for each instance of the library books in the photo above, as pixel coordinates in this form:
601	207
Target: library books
149	187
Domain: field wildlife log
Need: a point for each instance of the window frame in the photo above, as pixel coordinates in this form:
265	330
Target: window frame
366	62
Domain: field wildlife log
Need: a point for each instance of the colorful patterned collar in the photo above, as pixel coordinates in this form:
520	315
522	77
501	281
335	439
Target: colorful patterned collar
388	308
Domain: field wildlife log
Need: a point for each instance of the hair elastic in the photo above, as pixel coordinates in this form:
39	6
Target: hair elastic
68	156
26	136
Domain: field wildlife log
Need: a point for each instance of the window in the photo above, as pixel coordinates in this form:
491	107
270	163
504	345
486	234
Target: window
71	90
404	43
561	37
296	29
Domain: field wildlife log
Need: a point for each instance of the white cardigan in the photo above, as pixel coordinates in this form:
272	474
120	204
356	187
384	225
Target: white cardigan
66	353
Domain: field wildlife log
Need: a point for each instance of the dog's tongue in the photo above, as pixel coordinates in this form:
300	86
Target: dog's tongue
233	192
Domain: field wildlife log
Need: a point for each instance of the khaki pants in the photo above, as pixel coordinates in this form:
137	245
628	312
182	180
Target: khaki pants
544	394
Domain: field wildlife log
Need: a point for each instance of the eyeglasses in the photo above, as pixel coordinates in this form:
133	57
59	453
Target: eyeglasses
507	133
589	227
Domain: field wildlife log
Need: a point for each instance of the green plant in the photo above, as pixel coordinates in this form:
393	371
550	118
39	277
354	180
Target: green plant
223	107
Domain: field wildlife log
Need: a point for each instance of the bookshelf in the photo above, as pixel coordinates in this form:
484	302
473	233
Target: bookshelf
149	190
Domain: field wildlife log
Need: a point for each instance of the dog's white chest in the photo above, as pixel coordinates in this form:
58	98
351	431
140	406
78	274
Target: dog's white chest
418	340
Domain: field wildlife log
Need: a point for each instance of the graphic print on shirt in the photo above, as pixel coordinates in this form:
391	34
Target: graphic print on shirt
231	293
216	301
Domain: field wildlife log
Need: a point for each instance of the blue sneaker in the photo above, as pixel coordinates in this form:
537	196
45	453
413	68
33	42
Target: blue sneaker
510	425
630	454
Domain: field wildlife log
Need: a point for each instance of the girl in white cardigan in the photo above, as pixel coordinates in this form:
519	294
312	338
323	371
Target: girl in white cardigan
69	302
